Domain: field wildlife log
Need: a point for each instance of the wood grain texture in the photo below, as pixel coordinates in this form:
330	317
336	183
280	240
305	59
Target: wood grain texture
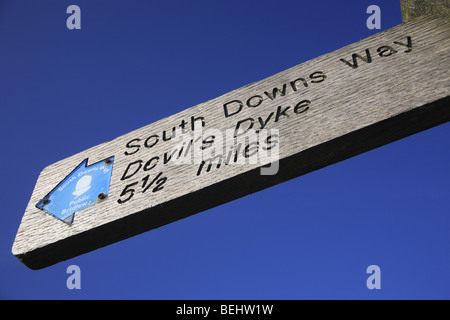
403	90
412	9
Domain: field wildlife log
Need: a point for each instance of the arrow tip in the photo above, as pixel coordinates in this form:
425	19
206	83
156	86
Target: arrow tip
69	219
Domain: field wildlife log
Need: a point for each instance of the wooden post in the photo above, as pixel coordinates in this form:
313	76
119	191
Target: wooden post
415	8
360	97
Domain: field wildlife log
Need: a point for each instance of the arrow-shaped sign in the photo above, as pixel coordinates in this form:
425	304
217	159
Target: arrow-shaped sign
324	111
82	188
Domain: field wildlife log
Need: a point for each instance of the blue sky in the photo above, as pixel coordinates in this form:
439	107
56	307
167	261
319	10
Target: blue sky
135	62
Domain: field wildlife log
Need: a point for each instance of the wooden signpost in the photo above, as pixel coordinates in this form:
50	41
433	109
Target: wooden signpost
341	104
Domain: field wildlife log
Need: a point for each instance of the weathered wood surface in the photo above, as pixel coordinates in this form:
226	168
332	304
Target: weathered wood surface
412	9
403	90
